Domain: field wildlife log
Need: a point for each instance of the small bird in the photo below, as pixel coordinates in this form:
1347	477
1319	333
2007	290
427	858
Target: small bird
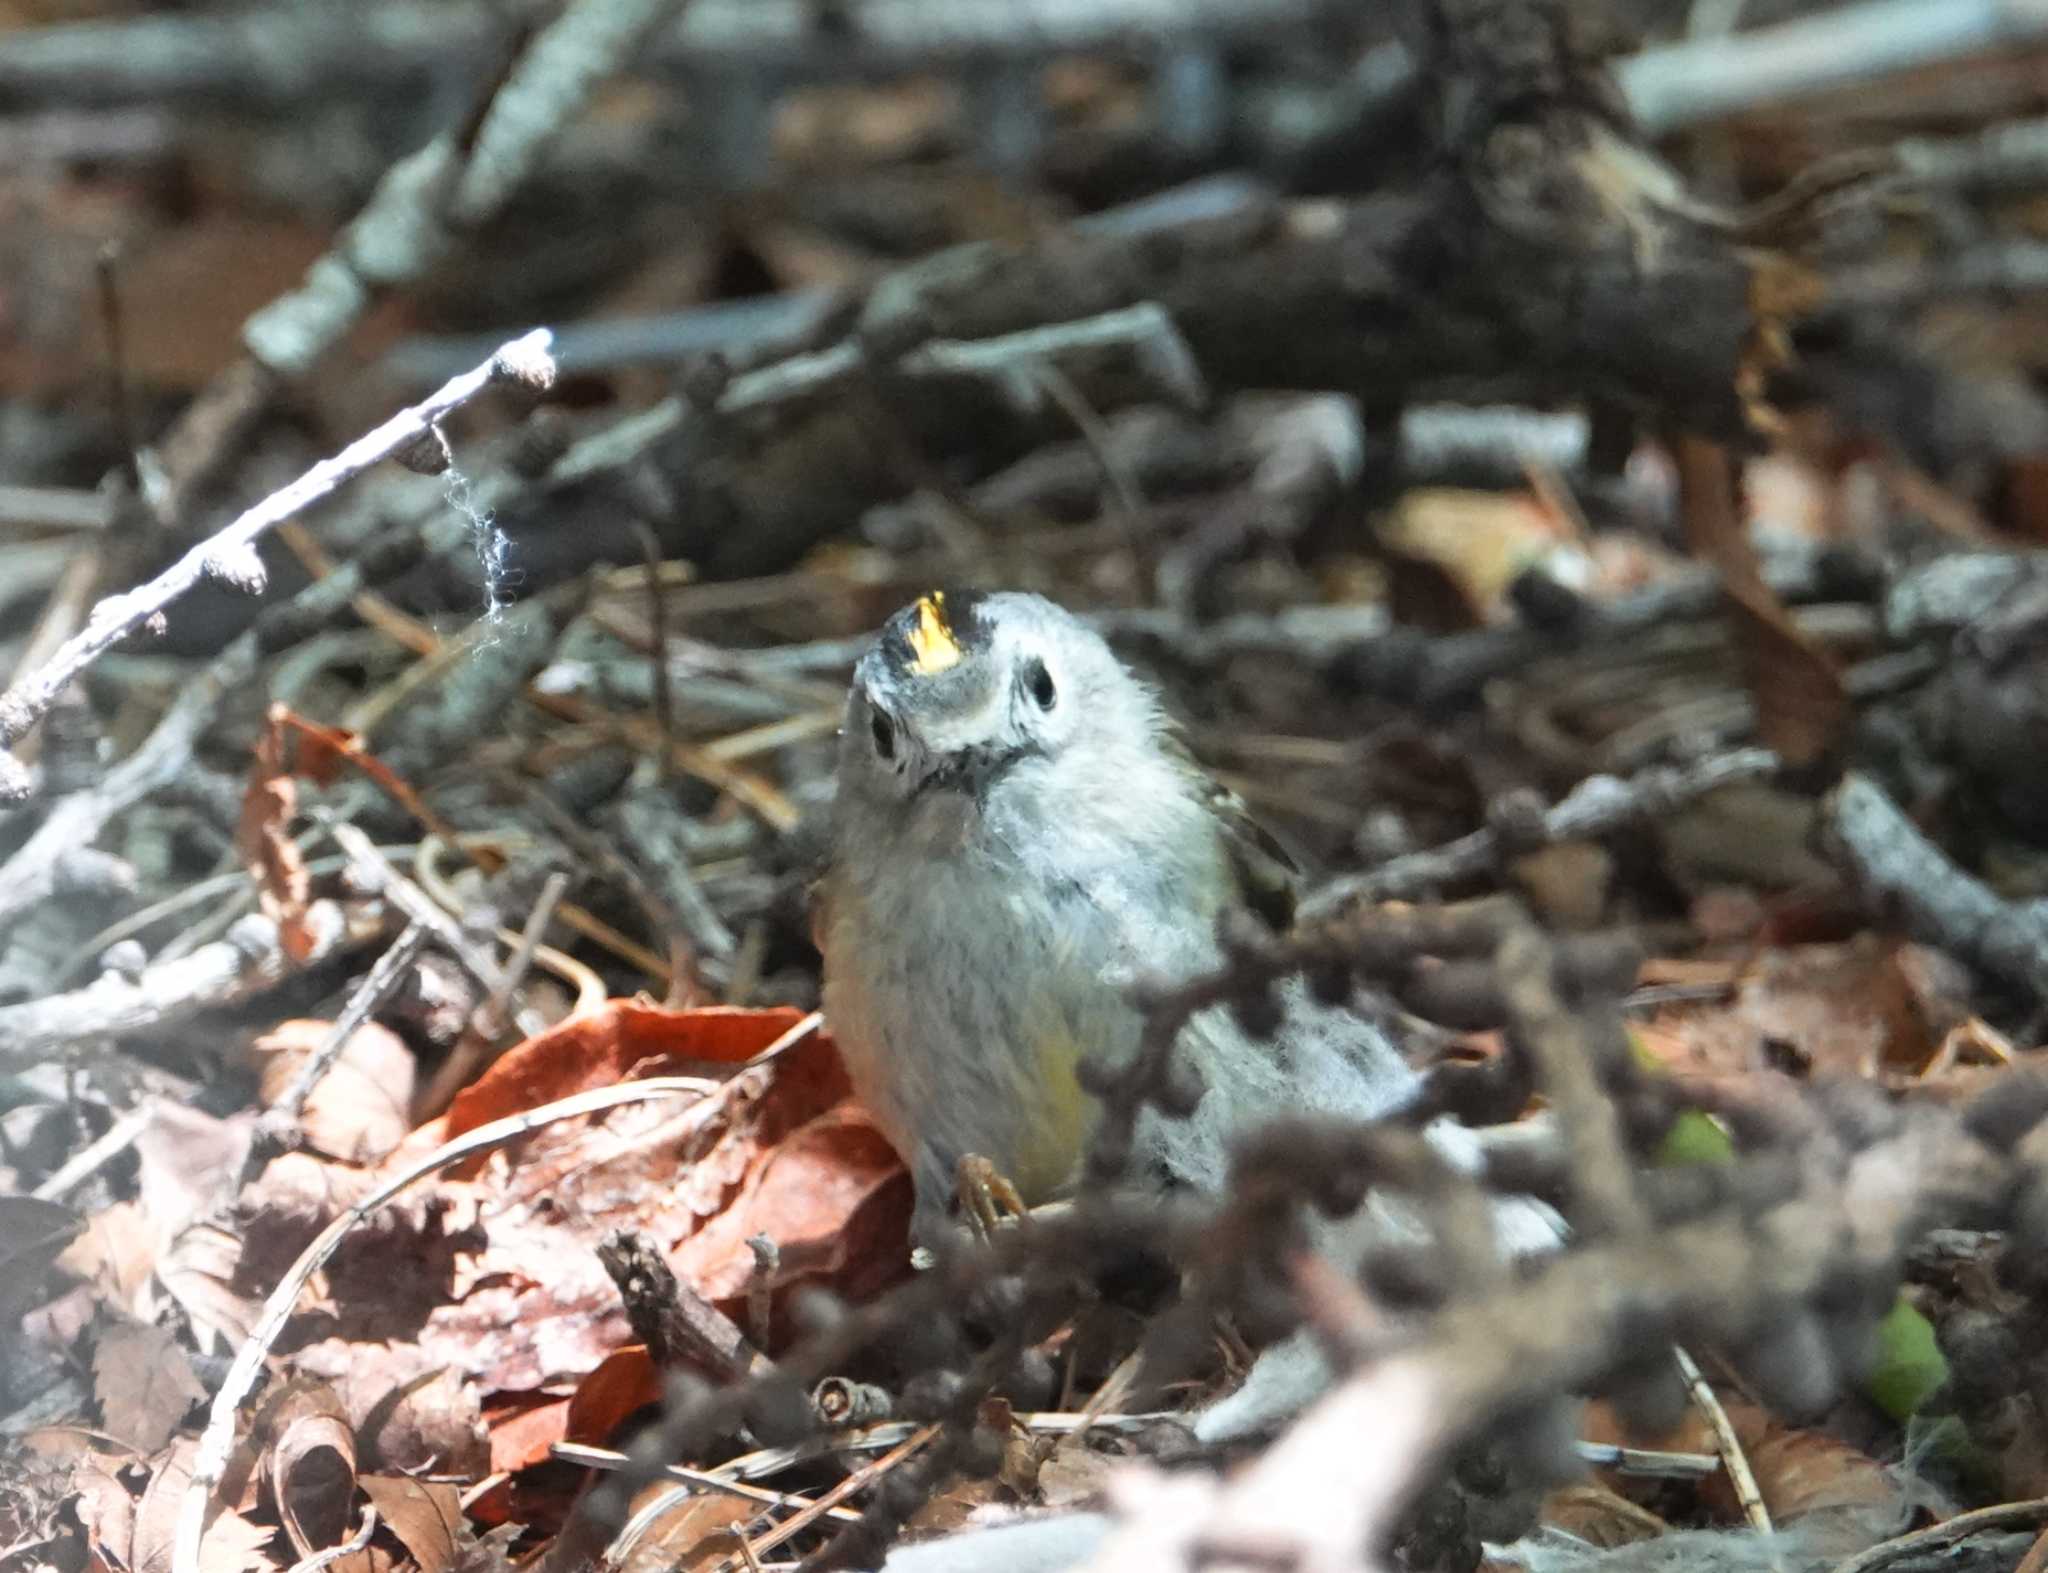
1018	834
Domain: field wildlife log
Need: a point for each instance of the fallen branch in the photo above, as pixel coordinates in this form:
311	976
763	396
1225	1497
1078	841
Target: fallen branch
249	960
44	865
1595	806
1913	880
230	554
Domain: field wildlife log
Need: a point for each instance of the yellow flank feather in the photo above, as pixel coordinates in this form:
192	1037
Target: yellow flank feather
932	644
1059	1126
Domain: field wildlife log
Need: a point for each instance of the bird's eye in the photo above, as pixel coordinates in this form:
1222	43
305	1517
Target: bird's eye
1038	681
884	731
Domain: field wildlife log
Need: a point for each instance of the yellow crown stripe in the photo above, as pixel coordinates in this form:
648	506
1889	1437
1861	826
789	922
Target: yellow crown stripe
932	645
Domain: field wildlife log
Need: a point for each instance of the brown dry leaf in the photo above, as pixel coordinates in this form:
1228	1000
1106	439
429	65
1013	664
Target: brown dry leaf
624	1382
199	1272
697	1532
827	1194
116	1253
954	1507
105	1509
1807	1009
310	1460
429	1421
425	1515
1600	1516
1482	540
191	1165
358	1110
1074	1475
144	1384
522	1434
1802	707
492	1278
603	1048
292	747
230	1544
1804	1471
1798	1471
263	841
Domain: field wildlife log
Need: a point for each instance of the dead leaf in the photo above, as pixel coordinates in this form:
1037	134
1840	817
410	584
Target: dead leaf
1480	541
191	1165
144	1384
1802	707
425	1515
1600	1516
523	1434
1798	1471
624	1382
828	1194
230	1544
293	748
116	1253
199	1272
358	1110
488	1284
431	1420
264	843
1074	1475
603	1048
310	1459
105	1509
1805	1010
695	1533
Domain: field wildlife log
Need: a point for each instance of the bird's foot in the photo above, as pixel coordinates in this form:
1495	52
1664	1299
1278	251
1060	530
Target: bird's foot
988	1201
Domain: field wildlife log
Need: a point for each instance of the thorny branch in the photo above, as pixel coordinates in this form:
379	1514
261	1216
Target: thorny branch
1787	1249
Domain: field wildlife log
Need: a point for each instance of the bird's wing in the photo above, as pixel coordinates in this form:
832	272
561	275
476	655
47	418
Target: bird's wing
1269	879
1268	876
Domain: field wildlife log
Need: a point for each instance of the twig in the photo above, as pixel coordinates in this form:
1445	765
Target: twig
767	1259
1595	806
247	961
1899	868
422	207
1949	1532
677	1324
1733	1459
230	553
65	508
490	1019
89	1159
1707	78
349	1547
62	613
119	404
151	58
606	1458
37	870
377	874
657	622
857	1481
1011	360
216	1442
377	985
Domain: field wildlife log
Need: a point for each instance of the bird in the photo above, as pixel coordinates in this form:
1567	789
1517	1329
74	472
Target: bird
1018	834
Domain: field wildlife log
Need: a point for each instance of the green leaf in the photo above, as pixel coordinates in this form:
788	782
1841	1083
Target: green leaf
1695	1137
1909	1364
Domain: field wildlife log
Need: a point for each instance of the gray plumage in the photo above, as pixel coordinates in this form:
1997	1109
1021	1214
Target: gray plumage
1017	834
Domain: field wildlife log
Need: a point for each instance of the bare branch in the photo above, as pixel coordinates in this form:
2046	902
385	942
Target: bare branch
228	553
